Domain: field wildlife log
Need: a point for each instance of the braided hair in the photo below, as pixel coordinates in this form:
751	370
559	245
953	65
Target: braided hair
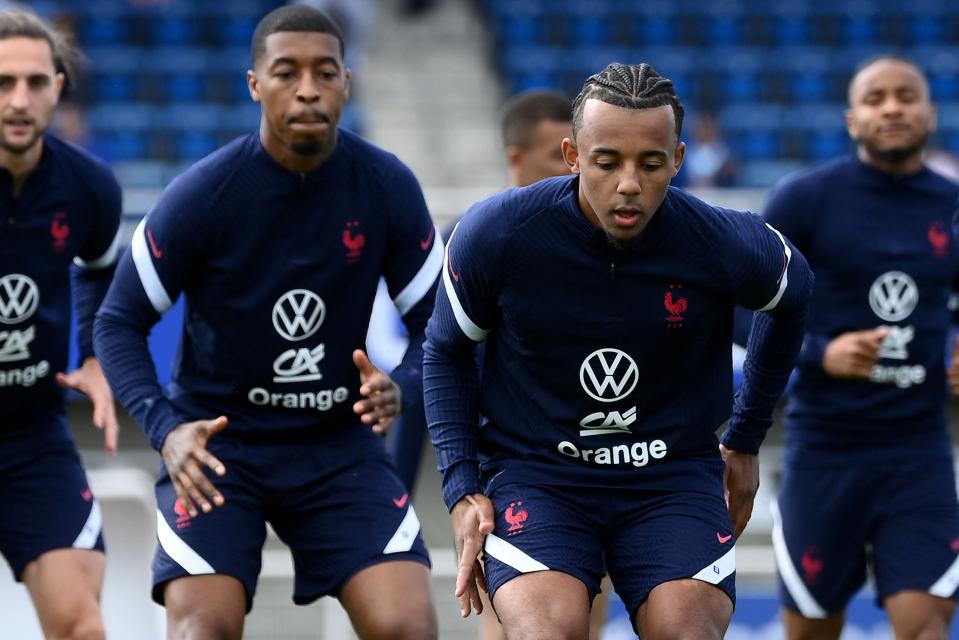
633	86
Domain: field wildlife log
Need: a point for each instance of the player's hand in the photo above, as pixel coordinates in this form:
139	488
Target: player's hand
740	484
90	381
383	398
953	373
852	355
472	520
184	454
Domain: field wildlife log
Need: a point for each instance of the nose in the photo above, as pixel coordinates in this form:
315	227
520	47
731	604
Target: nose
628	184
20	96
307	90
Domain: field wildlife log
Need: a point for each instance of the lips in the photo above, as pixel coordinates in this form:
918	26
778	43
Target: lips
626	216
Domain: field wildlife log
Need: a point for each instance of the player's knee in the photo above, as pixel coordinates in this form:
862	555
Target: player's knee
203	624
679	625
420	627
931	629
87	626
538	628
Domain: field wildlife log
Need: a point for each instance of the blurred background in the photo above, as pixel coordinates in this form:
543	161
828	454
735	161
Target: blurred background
763	83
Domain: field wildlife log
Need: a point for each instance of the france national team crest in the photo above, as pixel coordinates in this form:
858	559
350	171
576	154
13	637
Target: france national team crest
676	306
516	517
938	238
59	231
354	241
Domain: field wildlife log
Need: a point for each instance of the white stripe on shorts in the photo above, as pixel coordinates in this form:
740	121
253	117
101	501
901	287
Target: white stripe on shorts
513	556
405	534
716	572
808	606
179	551
87	538
946	586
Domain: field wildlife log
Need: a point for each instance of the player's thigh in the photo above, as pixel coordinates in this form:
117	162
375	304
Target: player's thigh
226	541
47	501
670	538
916	542
340	525
545	556
205	606
543	605
798	627
64	585
917	614
391	600
821	522
688	608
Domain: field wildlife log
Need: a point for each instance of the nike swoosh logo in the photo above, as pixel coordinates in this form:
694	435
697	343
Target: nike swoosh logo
425	244
401	501
723	539
154	249
456	276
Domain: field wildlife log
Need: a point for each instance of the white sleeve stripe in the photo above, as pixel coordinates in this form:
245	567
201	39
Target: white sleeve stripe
107	259
147	272
179	551
420	285
784	281
469	328
804	600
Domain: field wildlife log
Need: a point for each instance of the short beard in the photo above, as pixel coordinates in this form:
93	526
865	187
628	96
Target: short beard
617	245
307	148
898	155
22	149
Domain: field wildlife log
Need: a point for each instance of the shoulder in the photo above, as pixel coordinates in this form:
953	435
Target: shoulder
943	186
709	221
204	180
380	164
810	182
92	173
522	207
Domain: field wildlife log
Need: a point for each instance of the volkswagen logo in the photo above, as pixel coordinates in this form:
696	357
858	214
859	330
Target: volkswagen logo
893	296
298	314
608	375
19	297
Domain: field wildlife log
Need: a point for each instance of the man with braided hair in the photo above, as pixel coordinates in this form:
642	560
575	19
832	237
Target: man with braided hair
606	302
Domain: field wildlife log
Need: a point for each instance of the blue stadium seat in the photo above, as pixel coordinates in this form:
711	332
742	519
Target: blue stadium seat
756	145
122	147
826	144
103	30
195	145
173	30
186	87
113	87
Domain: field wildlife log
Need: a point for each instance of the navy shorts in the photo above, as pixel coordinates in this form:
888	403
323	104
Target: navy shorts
337	503
47	502
642	539
832	521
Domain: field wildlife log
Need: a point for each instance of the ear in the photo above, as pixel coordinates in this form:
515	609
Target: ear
347	77
851	128
679	156
59	80
513	155
933	118
253	85
571	155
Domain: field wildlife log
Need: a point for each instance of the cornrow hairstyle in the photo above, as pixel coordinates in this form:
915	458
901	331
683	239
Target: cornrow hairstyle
885	57
633	86
524	111
20	23
293	17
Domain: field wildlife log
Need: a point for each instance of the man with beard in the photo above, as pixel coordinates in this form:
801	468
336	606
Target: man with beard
868	471
61	211
277	241
605	300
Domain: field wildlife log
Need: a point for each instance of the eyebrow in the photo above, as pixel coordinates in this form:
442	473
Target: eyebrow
316	61
615	152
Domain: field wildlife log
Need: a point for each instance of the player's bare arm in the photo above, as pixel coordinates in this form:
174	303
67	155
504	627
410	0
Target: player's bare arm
953	372
90	381
852	355
184	454
472	521
382	398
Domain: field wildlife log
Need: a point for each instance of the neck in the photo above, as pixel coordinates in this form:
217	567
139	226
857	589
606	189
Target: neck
21	164
295	162
907	166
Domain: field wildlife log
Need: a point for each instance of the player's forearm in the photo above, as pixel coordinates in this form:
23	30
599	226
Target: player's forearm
122	351
775	341
89	288
450	390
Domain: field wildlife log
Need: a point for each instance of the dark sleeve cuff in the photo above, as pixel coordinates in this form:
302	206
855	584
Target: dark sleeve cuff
813	350
161	419
743	442
459	481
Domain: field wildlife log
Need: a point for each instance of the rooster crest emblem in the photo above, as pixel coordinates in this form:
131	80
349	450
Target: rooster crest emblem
516	519
676	308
